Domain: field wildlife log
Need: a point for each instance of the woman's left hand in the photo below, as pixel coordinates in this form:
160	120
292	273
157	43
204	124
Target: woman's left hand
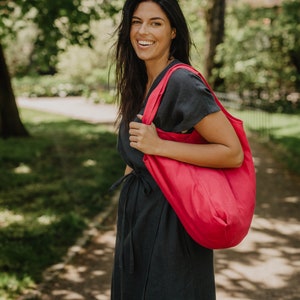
143	137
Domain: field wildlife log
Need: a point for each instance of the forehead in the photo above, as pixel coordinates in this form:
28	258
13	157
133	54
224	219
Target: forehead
148	10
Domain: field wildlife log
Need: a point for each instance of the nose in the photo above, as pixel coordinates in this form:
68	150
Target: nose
143	28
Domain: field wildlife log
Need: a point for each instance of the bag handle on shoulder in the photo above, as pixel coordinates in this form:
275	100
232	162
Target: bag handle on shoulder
154	98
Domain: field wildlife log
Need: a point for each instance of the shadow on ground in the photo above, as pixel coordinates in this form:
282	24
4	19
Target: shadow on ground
267	264
88	275
264	266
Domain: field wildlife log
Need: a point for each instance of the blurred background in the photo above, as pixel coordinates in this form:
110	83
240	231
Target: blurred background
55	170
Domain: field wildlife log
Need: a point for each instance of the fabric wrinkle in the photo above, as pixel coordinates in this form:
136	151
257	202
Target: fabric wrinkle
135	180
150	246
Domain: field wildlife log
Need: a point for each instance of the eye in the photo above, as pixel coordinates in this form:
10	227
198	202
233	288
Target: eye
155	24
135	21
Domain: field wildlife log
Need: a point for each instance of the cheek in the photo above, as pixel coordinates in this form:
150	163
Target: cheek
131	34
132	39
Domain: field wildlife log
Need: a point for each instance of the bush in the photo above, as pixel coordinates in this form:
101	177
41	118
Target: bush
59	86
46	86
259	51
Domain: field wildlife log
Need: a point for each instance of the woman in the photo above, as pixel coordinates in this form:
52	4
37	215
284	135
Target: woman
155	258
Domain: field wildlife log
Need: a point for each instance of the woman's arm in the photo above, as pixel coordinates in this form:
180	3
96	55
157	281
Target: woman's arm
222	151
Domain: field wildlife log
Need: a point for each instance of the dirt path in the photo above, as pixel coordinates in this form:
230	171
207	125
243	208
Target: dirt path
265	266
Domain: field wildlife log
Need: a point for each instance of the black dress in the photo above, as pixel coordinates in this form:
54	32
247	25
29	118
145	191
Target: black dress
155	259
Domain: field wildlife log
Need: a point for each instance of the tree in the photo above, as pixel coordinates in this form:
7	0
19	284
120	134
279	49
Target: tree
206	20
59	23
215	27
10	123
261	55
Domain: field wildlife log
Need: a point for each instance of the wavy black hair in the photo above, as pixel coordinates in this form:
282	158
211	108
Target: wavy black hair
131	75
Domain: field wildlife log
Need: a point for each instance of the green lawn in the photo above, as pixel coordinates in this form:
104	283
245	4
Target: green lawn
51	185
281	132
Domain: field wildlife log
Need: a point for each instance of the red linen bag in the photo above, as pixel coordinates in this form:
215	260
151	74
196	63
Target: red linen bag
215	206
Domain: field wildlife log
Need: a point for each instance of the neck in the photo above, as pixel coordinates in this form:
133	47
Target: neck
154	69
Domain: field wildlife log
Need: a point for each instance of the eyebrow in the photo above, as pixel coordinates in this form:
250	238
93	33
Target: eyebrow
152	19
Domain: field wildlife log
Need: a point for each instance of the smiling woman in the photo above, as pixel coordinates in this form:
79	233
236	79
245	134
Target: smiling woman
151	36
155	258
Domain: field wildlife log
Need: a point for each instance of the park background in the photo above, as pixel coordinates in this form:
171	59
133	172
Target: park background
55	171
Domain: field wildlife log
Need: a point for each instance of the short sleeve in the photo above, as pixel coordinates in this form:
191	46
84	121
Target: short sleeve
186	101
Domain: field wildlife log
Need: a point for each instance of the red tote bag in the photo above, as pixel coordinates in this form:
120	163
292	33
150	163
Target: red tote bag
215	206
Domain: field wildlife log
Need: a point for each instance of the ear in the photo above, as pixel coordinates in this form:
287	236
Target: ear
173	33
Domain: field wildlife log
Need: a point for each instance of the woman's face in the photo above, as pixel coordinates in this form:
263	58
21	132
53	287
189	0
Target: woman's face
151	33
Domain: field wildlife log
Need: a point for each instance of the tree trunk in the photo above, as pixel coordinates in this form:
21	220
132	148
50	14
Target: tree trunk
215	20
10	122
295	58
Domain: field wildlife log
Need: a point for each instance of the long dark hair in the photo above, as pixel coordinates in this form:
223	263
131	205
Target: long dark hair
131	75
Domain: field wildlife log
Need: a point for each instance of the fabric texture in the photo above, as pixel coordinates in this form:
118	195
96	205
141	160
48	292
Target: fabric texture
155	258
215	206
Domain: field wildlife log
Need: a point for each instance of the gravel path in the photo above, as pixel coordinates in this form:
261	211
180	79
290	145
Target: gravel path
73	107
265	266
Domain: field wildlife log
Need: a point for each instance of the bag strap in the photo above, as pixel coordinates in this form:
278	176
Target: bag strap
154	98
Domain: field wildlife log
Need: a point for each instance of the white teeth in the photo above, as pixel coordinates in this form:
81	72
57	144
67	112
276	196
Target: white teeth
145	43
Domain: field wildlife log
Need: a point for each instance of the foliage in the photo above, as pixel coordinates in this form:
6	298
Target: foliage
19	48
194	13
46	86
79	63
59	24
260	52
260	55
51	186
94	87
282	132
82	71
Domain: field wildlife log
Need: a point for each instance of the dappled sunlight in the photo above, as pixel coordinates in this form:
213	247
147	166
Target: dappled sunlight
271	171
266	265
87	275
268	259
47	220
89	163
8	217
22	169
74	274
294	199
52	184
268	170
70	295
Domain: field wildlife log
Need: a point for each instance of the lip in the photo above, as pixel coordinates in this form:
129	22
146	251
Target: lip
145	43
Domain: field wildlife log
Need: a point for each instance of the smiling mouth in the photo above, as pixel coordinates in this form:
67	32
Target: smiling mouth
145	43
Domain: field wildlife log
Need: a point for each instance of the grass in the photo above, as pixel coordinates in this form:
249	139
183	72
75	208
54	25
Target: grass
51	185
280	132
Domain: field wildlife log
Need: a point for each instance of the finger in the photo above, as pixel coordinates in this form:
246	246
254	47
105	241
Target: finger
134	145
133	142
133	138
153	125
133	132
140	116
134	125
